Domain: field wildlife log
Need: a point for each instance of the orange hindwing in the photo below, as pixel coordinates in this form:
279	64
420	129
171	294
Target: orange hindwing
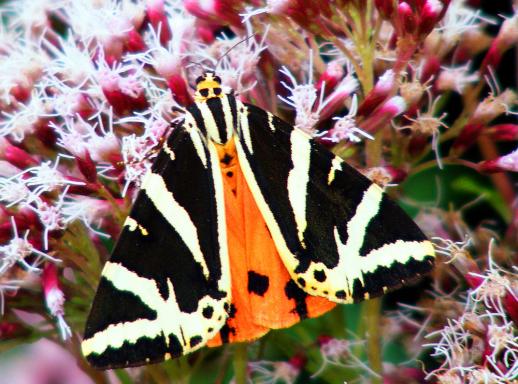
264	296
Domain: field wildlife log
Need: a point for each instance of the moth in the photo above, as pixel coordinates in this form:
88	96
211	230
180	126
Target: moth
243	224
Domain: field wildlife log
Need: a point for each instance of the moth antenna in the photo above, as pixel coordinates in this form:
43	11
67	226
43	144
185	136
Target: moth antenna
231	48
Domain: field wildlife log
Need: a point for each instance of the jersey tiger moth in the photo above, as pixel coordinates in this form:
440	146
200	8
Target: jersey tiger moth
243	224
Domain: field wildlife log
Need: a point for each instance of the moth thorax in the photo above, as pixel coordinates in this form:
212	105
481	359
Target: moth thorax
208	86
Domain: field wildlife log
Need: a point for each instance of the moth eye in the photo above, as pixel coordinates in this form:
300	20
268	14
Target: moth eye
217	79
217	91
199	79
204	92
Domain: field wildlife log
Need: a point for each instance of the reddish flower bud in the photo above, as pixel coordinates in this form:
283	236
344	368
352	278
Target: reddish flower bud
178	87
504	132
430	16
87	167
298	361
384	176
505	163
390	109
21	92
397	174
45	133
407	22
324	339
221	11
430	69
54	297
331	77
9	330
157	16
123	100
205	31
473	280
16	156
383	88
507	37
135	42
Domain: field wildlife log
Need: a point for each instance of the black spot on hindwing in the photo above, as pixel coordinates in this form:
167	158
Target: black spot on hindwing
257	283
293	292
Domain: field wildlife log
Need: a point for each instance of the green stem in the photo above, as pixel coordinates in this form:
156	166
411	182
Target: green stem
240	363
371	310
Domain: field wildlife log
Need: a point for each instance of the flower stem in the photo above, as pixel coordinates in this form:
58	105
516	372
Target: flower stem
371	313
240	363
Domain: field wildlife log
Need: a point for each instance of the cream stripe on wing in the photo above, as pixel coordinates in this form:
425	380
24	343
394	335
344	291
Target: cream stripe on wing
244	127
169	151
210	123
224	281
350	261
175	214
401	251
192	128
170	319
270	122
227	114
298	180
336	165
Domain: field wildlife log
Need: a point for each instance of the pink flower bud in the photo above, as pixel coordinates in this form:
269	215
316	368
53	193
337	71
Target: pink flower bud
389	110
384	176
221	11
45	133
504	132
21	91
135	42
397	174
49	281
87	167
385	85
335	101
505	163
157	16
178	87
323	339
54	297
307	14
76	104
406	20
507	37
492	58
430	69
123	94
9	330
430	16
298	361
15	155
473	280
331	77
205	31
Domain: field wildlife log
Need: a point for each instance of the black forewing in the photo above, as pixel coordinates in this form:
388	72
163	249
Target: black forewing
332	199
151	247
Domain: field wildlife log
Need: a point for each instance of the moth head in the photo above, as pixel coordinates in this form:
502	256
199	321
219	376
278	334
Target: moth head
208	86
